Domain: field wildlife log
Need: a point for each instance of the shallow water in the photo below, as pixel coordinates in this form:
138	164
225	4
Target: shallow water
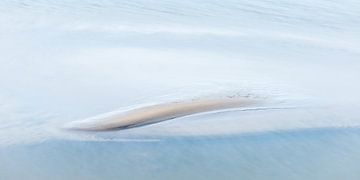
63	61
309	154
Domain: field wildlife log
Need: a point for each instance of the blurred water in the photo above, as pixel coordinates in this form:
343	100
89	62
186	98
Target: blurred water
310	154
68	60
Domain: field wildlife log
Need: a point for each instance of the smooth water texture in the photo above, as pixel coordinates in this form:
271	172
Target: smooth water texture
63	61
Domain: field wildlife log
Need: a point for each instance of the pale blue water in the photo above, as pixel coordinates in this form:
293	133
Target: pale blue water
309	154
62	61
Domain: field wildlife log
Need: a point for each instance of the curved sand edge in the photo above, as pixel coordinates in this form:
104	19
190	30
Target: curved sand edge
157	113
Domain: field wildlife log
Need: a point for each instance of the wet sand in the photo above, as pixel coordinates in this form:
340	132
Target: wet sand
157	113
